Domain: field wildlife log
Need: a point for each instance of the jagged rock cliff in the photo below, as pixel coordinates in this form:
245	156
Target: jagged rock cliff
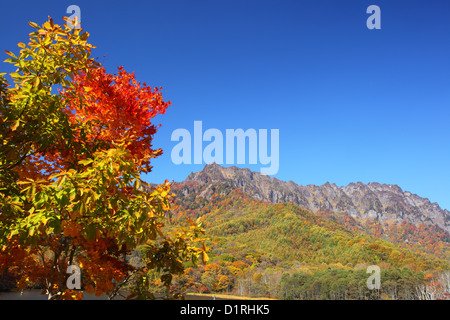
387	203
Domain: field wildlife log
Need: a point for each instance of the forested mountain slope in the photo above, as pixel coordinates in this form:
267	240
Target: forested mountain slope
382	211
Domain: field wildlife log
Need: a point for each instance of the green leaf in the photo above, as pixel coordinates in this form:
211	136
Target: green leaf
64	201
90	232
82	208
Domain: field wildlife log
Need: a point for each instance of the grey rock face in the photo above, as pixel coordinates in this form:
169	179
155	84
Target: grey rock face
387	203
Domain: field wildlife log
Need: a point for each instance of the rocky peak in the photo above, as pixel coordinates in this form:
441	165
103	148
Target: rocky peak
385	202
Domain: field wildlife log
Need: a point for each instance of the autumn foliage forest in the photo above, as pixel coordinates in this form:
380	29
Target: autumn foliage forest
75	142
283	251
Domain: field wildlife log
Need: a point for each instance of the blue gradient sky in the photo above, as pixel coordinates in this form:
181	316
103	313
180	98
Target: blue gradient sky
351	104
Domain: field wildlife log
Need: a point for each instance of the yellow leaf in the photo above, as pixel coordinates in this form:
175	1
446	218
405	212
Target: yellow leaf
47	25
15	125
9	53
33	24
56	175
36	81
205	257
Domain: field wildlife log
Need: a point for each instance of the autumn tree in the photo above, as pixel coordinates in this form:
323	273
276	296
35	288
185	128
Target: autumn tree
75	141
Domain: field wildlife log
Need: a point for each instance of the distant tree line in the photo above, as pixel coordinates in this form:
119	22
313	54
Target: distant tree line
343	284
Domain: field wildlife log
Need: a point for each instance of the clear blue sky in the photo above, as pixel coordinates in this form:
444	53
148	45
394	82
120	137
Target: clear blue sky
351	104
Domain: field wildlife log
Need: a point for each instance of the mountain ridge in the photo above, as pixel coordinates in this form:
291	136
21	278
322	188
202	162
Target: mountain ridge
387	203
